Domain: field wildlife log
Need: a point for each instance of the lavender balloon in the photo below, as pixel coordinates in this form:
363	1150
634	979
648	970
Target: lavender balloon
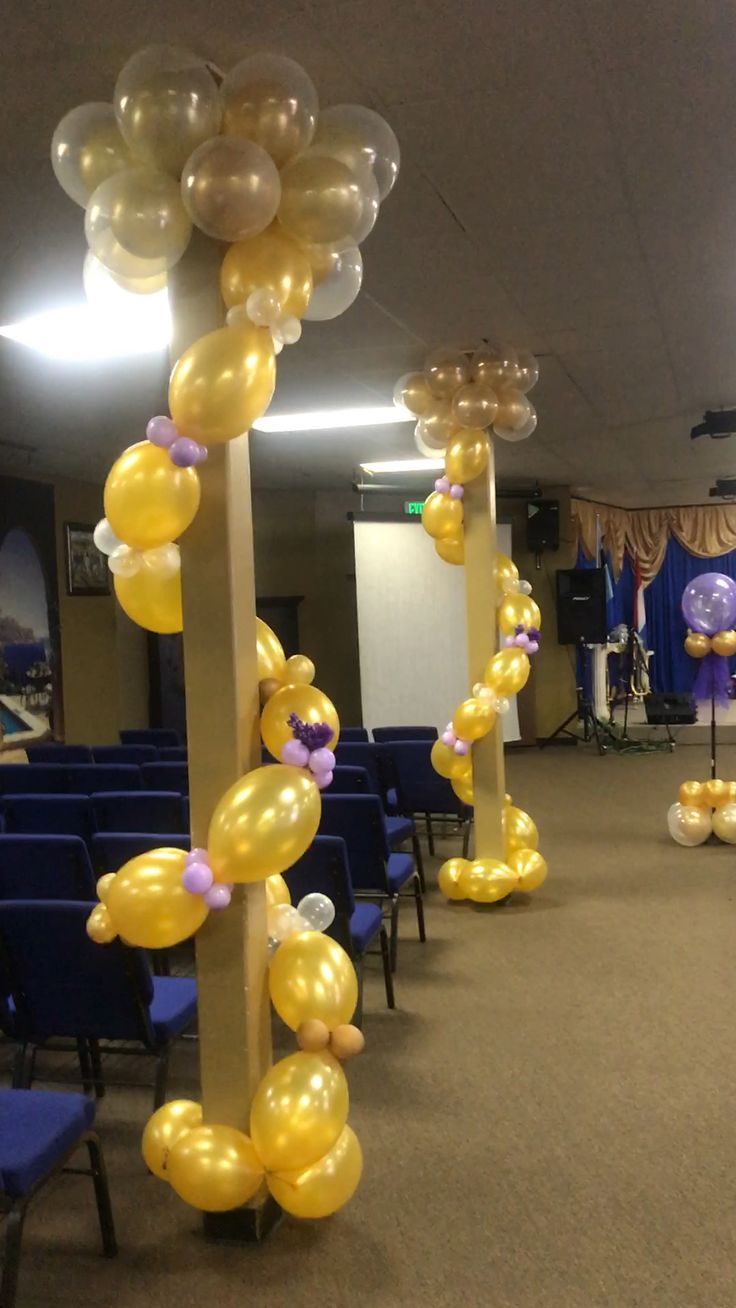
322	760
218	896
709	603
197	878
161	431
295	753
185	453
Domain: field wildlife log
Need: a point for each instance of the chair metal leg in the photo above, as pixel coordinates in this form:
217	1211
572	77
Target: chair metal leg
19	1067
162	1076
395	905
430	833
419	901
85	1066
387	977
94	1051
358	1015
11	1265
466	837
102	1197
417	849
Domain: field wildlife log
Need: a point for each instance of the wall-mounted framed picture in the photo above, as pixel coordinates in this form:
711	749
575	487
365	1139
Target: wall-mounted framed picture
87	572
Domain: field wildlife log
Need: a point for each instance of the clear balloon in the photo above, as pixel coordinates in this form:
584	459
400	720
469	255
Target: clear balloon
527	374
326	1186
271	657
109	291
167	1125
86	149
519	830
518	610
263	823
362	139
475	405
283	921
231	188
436	427
272	261
271	100
689	825
163	562
724	823
125	562
530	868
312	976
309	704
141	211
222	383
521	433
214	1168
451	549
338	290
442	516
495	365
321	200
446	371
148	903
412	392
151	602
299	1108
507	672
317	910
148	501
449	875
466	456
474	718
709	603
514	411
166	103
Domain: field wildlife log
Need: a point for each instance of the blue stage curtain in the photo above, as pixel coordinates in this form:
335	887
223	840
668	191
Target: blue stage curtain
671	668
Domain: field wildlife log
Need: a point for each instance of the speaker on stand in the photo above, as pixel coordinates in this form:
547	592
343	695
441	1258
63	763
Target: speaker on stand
581	621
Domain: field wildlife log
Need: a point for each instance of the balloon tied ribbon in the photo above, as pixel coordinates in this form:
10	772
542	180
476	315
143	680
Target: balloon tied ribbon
308	749
183	452
713	679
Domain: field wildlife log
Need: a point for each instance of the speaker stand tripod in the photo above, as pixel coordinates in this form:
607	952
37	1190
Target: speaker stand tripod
584	711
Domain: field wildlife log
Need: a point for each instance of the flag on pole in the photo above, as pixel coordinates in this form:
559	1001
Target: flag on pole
639	620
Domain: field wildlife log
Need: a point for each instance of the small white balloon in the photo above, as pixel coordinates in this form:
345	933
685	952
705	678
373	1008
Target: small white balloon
525	588
237	314
164	561
487	693
278	345
289	328
317	910
105	539
284	920
263	307
124	561
502	705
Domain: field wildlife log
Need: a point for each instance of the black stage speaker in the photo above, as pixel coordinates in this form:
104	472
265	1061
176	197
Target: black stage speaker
581	606
670	708
542	525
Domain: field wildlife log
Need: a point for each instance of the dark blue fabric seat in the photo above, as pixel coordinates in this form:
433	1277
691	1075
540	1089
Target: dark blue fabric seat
350	781
387	734
324	868
374	761
348	734
375	872
39	1132
52	815
173	754
86	778
135	754
166	776
59	753
45	867
156	736
173	1006
398	829
111	849
419	789
138	810
34	779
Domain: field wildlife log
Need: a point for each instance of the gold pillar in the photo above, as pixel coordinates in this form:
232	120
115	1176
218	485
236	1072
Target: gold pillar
222	725
489	785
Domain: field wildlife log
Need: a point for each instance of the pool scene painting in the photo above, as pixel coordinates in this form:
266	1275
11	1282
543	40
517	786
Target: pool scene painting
26	684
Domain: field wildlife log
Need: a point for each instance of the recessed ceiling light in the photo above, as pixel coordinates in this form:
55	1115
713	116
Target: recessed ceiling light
404	465
85	332
378	415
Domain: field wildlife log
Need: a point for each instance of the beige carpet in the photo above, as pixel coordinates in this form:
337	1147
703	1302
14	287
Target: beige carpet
547	1118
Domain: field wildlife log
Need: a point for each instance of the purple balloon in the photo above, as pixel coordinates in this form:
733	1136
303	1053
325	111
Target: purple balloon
323	779
296	753
218	896
197	855
202	453
442	485
184	452
197	878
709	603
161	431
449	737
456	491
462	746
321	760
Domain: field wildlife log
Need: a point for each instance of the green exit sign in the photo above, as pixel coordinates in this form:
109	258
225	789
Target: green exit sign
413	507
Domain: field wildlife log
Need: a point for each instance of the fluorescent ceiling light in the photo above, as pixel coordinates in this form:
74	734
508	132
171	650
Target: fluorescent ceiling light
404	465
378	415
83	332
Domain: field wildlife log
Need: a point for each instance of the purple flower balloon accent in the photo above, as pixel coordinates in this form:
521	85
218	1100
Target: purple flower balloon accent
456	491
709	603
315	735
197	878
184	452
218	896
462	746
295	753
161	431
442	485
322	760
323	779
532	647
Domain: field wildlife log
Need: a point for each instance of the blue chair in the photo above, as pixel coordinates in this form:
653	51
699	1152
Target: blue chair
111	849
138	810
51	815
350	781
173	754
420	789
34	779
362	754
86	778
40	1130
372	761
63	985
59	753
156	736
375	872
353	734
45	867
135	754
166	776
387	734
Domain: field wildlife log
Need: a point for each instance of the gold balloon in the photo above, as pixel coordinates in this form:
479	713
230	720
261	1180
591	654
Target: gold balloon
263	823
487	880
716	792
697	644
530	868
506	574
103	886
446	762
152	602
693	792
724	823
222	383
474	718
168	1124
451	549
466	455
518	610
475	405
231	188
519	830
309	703
325	261
436	427
514	411
414	394
346	1041
462	785
214	1168
270	99
148	903
448	878
495	365
267	688
86	149
271	657
312	976
271	261
312	1035
100	926
299	1109
446	370
277	891
442	516
299	670
508	671
321	200
724	642
148	500
167	103
731	792
326	1186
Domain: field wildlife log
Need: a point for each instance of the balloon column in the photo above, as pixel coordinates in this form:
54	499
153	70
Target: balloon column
290	190
704	808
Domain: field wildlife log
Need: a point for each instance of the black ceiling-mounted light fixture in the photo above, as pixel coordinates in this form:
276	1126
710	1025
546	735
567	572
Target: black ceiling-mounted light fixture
717	423
724	489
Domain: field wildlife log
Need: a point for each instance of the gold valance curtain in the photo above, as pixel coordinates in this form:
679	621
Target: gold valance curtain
704	530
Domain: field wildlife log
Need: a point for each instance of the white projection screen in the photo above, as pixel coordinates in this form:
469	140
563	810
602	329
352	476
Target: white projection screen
411	628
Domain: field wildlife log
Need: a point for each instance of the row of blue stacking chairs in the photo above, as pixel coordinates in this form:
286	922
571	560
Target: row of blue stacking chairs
136	754
86	778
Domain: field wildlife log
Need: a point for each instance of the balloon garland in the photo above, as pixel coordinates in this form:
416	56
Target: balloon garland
251	161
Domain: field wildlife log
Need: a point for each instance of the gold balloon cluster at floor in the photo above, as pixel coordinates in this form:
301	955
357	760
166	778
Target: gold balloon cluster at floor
299	1142
487	880
704	808
291	190
457	399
